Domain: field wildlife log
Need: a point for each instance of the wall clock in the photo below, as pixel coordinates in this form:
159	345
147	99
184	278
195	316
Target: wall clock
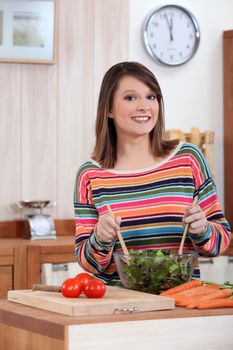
171	35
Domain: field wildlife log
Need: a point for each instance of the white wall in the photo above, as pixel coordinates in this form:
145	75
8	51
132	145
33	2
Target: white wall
193	92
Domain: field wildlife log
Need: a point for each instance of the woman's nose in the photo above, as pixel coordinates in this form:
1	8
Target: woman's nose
143	108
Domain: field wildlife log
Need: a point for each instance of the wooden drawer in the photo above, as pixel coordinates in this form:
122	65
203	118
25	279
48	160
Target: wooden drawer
6	280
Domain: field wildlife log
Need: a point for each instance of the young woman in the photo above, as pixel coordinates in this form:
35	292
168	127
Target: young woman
148	182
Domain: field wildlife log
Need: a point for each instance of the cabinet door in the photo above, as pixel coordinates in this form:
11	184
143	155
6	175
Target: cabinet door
6	280
57	273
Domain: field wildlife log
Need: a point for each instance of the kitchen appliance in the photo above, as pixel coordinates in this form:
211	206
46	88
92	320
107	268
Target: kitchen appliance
218	269
39	225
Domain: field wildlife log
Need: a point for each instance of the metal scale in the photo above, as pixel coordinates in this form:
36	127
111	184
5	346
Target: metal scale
41	226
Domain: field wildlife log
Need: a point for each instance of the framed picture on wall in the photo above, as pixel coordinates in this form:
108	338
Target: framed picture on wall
28	31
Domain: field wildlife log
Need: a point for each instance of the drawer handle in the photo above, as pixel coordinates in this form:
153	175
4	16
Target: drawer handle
59	267
126	310
207	261
230	260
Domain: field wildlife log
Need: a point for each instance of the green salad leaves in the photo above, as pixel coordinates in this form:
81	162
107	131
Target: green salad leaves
154	271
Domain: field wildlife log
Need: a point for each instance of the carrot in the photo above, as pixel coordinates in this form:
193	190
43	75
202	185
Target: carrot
216	303
212	285
192	303
182	287
181	298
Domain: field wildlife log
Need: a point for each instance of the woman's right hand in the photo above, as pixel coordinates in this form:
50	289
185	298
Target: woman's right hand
107	227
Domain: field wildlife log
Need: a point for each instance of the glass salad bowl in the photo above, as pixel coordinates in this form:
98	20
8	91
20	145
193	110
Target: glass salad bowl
154	271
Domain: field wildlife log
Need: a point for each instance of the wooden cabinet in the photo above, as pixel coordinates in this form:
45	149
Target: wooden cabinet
228	123
6	270
6	280
21	259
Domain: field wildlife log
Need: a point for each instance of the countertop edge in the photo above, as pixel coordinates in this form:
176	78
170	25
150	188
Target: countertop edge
53	324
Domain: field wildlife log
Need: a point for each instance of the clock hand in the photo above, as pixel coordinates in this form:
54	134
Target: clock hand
170	26
171	30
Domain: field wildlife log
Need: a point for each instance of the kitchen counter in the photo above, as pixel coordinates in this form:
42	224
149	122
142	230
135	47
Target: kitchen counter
24	327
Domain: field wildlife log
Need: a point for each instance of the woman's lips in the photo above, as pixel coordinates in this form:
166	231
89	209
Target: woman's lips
141	120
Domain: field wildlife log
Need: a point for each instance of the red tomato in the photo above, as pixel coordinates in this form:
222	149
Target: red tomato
95	289
83	278
71	288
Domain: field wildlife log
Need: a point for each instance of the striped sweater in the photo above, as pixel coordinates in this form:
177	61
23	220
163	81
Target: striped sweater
151	203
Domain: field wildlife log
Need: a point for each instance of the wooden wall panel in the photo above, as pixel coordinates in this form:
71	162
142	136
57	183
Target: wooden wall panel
111	38
74	95
10	138
94	39
39	131
52	108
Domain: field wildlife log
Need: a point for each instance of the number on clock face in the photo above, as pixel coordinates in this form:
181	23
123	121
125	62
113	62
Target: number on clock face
171	35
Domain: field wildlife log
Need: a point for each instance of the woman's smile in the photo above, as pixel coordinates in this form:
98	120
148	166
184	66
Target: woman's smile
141	120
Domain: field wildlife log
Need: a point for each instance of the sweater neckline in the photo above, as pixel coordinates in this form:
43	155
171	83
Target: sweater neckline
141	170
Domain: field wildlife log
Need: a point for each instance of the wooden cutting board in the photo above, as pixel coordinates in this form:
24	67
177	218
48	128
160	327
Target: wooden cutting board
116	300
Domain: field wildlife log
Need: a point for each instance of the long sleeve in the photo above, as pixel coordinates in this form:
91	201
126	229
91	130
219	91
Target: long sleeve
93	256
216	239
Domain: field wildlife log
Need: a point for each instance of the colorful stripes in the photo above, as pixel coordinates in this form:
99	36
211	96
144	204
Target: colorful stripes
151	203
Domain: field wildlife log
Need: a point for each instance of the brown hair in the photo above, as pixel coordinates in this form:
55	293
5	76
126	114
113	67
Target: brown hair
106	137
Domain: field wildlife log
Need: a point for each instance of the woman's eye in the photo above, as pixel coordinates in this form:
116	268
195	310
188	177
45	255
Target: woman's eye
130	98
152	97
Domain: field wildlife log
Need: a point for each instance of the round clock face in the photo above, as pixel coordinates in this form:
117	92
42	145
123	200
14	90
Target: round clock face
171	35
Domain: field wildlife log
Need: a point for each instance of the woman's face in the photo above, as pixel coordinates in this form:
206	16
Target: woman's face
135	108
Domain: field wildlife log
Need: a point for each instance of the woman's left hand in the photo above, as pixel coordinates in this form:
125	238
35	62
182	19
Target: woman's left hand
196	219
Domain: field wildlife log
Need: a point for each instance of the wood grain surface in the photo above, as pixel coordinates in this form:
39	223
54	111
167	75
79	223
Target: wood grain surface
20	229
116	300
